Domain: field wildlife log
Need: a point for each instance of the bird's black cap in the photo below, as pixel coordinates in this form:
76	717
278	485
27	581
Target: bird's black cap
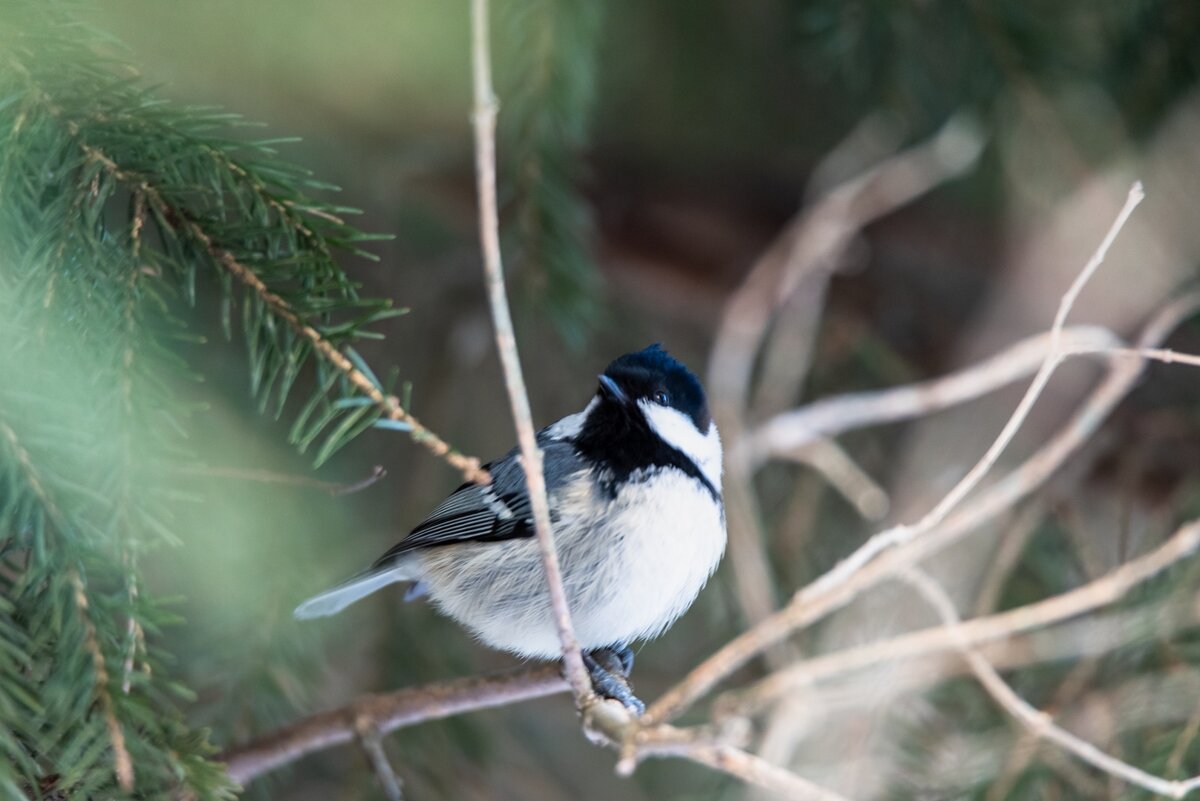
647	372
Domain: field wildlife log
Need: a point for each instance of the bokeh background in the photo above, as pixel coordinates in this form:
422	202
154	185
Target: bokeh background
676	140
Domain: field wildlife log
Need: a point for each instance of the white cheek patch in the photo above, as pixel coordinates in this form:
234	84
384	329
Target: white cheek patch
677	430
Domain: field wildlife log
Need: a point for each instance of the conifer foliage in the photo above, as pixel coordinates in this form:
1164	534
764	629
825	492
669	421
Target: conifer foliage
549	95
119	213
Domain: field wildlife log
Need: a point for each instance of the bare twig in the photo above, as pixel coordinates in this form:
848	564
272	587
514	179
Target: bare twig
1038	722
750	769
389	712
717	749
802	258
371	741
1007	556
843	474
832	416
822	597
483	118
1186	738
1053	358
975	632
1026	747
1164	355
842	681
816	237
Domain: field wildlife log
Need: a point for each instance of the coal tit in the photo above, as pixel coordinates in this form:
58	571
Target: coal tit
634	484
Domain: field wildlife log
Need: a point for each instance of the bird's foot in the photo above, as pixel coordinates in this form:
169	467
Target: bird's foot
609	669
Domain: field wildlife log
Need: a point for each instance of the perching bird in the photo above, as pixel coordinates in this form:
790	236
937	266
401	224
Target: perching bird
634	485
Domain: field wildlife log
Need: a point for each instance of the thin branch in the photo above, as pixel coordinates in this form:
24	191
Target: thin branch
839	469
1164	355
829	417
388	405
748	768
1040	379
801	259
1007	555
978	631
122	763
718	748
389	712
813	240
371	741
1038	722
483	118
1186	738
821	597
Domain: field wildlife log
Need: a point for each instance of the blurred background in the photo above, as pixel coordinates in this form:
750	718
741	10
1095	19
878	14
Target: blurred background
650	153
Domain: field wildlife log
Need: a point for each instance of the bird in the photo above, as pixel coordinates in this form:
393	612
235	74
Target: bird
634	488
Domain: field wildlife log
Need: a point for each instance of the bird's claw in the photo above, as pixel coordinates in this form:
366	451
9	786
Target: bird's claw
609	670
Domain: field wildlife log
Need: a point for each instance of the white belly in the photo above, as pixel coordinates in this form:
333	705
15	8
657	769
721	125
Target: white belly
629	573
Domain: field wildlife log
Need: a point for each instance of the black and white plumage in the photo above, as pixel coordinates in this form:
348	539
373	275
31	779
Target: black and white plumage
634	485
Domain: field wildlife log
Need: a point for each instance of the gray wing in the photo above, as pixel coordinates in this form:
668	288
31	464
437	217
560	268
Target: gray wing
499	511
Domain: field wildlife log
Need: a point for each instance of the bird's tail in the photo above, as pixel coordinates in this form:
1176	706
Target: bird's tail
335	600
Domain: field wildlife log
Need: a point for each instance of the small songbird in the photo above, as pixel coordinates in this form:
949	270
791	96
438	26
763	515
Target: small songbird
634	485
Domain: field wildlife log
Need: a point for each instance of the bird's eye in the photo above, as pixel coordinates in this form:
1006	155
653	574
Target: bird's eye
662	398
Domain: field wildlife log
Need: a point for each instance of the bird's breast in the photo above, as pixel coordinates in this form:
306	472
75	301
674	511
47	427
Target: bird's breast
644	557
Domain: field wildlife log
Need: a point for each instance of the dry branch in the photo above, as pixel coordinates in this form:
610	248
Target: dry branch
822	596
388	712
484	121
751	769
371	740
1037	722
800	262
815	239
899	535
829	417
975	632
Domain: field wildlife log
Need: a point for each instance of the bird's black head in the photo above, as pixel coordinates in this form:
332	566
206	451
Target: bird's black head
653	375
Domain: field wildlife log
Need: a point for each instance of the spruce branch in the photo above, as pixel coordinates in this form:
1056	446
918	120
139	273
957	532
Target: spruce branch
207	215
388	405
110	204
122	762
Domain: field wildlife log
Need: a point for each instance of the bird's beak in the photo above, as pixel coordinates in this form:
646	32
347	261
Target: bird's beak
610	388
